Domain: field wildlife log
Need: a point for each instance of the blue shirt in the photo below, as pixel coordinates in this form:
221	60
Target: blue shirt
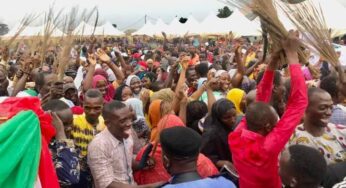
219	182
338	115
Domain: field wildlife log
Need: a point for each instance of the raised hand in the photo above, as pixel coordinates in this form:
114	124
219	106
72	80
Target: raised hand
291	45
185	62
103	56
274	60
58	125
213	84
92	59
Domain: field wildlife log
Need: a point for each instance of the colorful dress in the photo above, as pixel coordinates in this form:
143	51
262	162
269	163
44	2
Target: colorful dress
332	144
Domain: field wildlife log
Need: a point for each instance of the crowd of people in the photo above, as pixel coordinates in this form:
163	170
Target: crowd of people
187	112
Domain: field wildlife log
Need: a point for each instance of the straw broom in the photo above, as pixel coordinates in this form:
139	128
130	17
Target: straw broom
267	12
309	20
67	43
25	22
51	21
70	22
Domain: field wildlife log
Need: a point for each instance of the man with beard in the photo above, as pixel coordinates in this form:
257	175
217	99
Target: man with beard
317	132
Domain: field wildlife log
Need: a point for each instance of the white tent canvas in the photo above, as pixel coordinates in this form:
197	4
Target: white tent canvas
193	26
160	27
83	29
31	31
147	29
214	25
241	26
108	29
176	28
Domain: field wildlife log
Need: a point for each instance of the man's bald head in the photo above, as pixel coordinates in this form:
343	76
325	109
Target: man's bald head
261	117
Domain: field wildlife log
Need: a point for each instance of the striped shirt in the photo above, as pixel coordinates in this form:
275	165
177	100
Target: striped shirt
83	132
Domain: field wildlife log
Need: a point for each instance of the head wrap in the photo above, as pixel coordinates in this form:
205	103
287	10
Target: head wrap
137	106
109	95
236	95
219	72
164	94
167	121
101	72
129	79
151	76
154	117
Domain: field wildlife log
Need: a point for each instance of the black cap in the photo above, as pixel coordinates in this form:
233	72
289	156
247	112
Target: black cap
180	142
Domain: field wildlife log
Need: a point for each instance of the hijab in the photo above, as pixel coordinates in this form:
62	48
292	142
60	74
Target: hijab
137	106
236	95
101	72
154	117
167	121
129	79
219	73
108	96
164	94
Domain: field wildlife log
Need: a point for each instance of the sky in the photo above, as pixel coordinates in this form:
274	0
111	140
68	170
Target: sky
126	14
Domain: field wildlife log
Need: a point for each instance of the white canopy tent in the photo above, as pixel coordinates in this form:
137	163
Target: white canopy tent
31	31
176	28
108	30
193	26
148	29
241	26
83	29
214	25
160	27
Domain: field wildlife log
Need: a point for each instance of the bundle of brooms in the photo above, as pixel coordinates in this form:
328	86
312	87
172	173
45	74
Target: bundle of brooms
266	11
309	20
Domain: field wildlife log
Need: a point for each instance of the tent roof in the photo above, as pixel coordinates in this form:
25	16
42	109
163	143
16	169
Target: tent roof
193	26
160	27
147	29
83	29
31	31
108	29
176	28
240	25
214	25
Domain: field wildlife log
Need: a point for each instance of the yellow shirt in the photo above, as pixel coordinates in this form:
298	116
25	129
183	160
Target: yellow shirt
83	132
250	57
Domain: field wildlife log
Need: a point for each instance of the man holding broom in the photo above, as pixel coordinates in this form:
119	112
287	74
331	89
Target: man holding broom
256	145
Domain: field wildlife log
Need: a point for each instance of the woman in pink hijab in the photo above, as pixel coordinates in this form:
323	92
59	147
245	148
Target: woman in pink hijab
107	90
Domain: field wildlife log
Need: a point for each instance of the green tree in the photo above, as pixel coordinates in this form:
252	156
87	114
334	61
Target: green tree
224	12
